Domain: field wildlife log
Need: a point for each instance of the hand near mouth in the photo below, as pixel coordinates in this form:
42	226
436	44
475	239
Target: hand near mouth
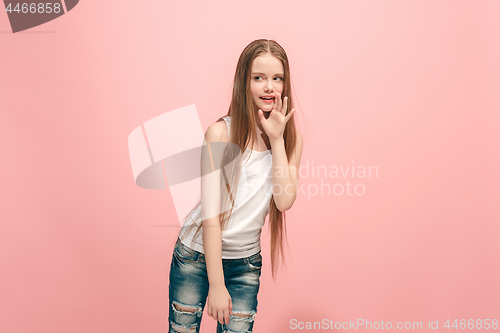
274	126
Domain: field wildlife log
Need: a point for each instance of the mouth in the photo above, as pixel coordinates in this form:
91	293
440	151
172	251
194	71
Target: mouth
267	99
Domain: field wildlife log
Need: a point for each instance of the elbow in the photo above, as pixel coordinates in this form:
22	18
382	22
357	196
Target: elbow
284	208
284	205
284	200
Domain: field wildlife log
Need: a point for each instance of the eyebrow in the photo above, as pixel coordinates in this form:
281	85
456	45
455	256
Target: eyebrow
265	74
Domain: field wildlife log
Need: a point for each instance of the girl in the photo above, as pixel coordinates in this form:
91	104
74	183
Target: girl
217	254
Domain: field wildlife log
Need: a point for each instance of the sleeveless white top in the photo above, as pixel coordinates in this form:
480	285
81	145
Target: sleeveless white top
241	237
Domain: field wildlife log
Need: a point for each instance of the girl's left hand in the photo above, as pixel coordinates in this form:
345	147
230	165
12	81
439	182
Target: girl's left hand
274	126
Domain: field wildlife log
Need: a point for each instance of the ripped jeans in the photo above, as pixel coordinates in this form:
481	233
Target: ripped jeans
188	290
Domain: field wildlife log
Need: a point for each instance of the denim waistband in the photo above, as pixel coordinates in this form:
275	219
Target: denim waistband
201	256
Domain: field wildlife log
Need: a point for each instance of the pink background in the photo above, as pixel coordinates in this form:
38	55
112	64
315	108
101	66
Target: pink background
409	87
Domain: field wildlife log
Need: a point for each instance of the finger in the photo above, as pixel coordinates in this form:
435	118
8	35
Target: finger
230	306
285	105
261	115
211	312
280	103
226	317
276	101
220	317
289	115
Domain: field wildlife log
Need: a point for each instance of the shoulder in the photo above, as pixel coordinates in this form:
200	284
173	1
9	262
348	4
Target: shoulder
217	132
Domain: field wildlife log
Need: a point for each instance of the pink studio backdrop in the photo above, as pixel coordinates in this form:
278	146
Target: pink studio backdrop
410	88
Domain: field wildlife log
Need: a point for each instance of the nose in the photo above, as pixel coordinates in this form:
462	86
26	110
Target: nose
269	86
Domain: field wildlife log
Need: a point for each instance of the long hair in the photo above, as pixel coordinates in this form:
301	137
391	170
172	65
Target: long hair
243	133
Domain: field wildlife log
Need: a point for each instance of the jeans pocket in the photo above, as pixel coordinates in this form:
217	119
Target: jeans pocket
184	253
255	261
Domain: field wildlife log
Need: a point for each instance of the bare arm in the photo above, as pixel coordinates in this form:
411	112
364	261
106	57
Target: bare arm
219	304
285	168
285	173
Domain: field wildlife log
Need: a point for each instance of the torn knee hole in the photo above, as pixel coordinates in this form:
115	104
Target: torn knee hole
242	315
180	308
183	329
246	316
185	308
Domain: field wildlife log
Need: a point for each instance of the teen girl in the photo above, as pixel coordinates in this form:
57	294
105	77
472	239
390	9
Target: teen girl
217	254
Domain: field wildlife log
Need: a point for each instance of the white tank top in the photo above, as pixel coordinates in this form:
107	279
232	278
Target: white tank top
241	237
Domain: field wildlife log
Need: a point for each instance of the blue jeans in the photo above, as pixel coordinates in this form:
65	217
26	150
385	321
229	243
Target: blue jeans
188	290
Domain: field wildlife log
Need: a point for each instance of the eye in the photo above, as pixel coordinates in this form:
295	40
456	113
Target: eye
257	77
279	78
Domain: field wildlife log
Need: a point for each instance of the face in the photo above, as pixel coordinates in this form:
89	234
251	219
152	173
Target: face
267	79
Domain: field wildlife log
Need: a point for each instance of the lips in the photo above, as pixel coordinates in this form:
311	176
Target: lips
268	100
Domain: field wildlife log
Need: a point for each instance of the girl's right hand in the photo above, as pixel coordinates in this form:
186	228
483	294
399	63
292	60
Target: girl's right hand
219	305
